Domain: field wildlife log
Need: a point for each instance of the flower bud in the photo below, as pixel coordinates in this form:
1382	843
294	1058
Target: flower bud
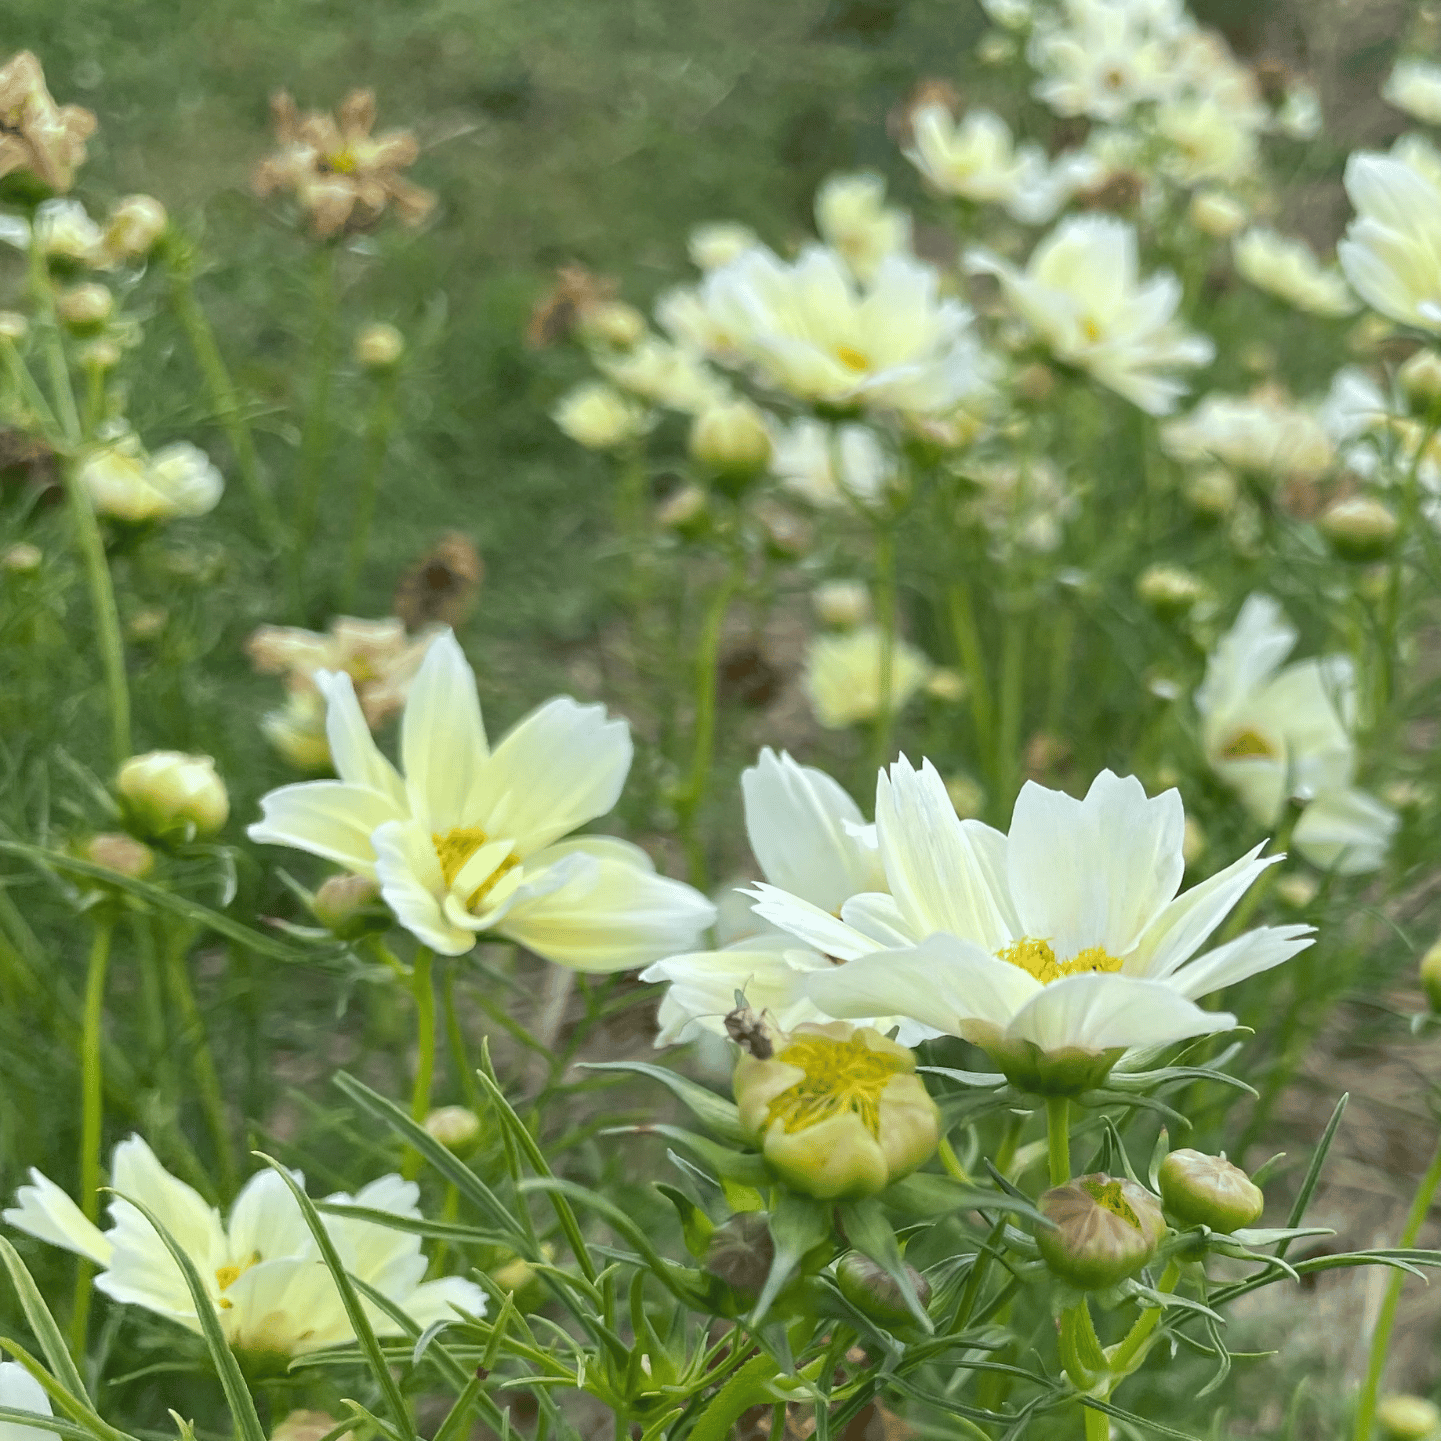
1212	493
944	684
599	417
1216	214
717	244
874	1293
350	906
455	1127
613	323
169	793
1420	378
99	354
85	308
995	47
842	603
1169	591
1408	1418
1103	1230
682	509
21	558
135	224
1298	889
741	1251
837	1110
1359	528
13	325
1430	973
378	346
120	853
1202	1190
732	438
308	1426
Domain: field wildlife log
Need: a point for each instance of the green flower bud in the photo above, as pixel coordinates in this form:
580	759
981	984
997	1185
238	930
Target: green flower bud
170	793
1408	1418
1359	528
731	438
1431	976
1103	1230
874	1293
1169	591
455	1127
120	853
741	1252
1202	1190
838	1110
378	346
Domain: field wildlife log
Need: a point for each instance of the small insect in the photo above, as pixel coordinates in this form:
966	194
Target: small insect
748	1030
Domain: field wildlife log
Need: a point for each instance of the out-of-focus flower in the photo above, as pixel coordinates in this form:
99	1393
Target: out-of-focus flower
378	346
844	603
826	464
1289	270
297	731
1415	87
349	906
1215	213
1055	948
557	314
169	792
733	438
843	676
853	218
612	324
1102	1230
470	841
13	325
1169	590
84	308
1082	295
1202	1190
838	1110
456	1127
20	1391
38	137
665	374
123	481
442	586
1273	734
343	177
64	234
1021	505
1420	376
120	853
269	1287
22	558
599	417
720	242
683	508
1389	252
1299	116
1099	58
1259	433
1359	527
1208	139
1408	1418
134	226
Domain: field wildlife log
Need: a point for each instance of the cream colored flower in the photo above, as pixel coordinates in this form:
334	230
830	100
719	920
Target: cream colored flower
170	791
665	374
1082	294
123	481
1289	270
853	218
843	676
830	465
1415	87
1208	141
1100	58
37	136
1215	213
720	242
1260	433
1274	734
469	842
1056	947
270	1289
64	233
599	417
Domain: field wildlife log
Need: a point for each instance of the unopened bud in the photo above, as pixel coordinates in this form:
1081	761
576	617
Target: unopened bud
682	509
1369	334
13	325
1408	1418
1359	528
875	1293
455	1127
1430	972
732	438
944	684
717	244
1212	493
120	853
21	558
147	622
349	905
85	308
1169	591
1298	889
1420	378
169	793
135	224
599	417
1103	1230
741	1252
1216	214
99	354
842	603
1202	1190
378	346
995	47
613	323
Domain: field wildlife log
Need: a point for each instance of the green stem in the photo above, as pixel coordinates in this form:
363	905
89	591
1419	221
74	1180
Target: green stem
62	392
455	1038
224	400
1126	1356
378	427
1058	1138
315	437
92	1114
885	595
1381	1337
30	393
1098	1424
1008	731
423	990
973	663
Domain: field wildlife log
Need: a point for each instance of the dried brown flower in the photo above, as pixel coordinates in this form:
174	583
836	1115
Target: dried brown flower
37	136
341	175
559	310
441	587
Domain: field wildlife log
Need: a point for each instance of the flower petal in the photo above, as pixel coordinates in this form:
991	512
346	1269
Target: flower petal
1346	830
442	737
357	758
330	819
47	1213
265	1220
412	884
817	928
20	1391
1247	955
1100	1012
703	986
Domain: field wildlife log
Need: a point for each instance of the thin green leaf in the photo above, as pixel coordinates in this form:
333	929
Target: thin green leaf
42	1323
1313	1171
714	1112
798	1225
1144	1422
747	1168
870	1233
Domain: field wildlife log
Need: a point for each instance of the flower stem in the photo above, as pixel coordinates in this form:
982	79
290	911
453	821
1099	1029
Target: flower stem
378	426
91	1113
973	663
1008	730
1381	1337
1058	1138
315	436
1126	1356
424	992
885	591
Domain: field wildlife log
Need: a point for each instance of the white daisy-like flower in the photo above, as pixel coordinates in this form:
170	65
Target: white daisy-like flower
1289	270
123	481
843	675
853	218
599	417
1275	733
1261	433
1082	294
1057	947
1100	58
270	1289
470	841
665	374
1415	87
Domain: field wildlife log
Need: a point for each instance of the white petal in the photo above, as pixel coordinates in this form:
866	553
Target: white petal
1247	955
1098	1012
46	1212
703	986
439	1301
266	1221
20	1391
817	928
357	759
1346	830
878	916
183	1211
288	1306
330	819
442	737
411	883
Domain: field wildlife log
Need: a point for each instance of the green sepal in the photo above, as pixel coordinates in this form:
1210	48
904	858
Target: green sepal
715	1113
696	1226
870	1233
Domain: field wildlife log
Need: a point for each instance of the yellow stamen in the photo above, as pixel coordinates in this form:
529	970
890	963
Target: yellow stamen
456	847
852	358
1246	745
1108	1195
840	1076
227	1276
1090	329
342	162
1037	958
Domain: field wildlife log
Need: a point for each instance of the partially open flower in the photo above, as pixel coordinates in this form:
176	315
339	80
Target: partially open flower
1103	1230
599	417
874	1292
123	481
838	1110
169	792
39	140
135	225
1216	214
1203	1190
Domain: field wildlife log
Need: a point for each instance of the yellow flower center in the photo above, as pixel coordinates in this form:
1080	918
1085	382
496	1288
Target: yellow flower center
456	847
840	1076
1091	329
1246	745
1109	1196
341	162
227	1276
1037	958
852	358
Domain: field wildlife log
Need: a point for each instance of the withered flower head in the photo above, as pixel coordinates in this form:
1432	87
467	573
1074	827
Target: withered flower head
38	137
441	587
341	175
561	309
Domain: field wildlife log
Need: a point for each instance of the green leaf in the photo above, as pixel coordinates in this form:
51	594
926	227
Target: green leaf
417	1225
798	1225
1313	1171
696	1226
927	1193
359	1321
744	1166
867	1230
750	1386
1144	1422
712	1111
42	1323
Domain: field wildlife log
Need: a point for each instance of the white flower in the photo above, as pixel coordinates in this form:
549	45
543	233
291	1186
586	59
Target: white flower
20	1391
1082	294
123	481
853	218
824	464
270	1289
599	417
843	676
1056	947
1272	734
470	840
1389	253
1299	117
1025	505
63	230
1289	269
808	837
667	375
1209	140
719	243
809	329
1259	433
1415	87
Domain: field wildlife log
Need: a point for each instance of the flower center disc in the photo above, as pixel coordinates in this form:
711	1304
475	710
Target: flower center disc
840	1076
852	358
1245	746
456	847
1039	960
